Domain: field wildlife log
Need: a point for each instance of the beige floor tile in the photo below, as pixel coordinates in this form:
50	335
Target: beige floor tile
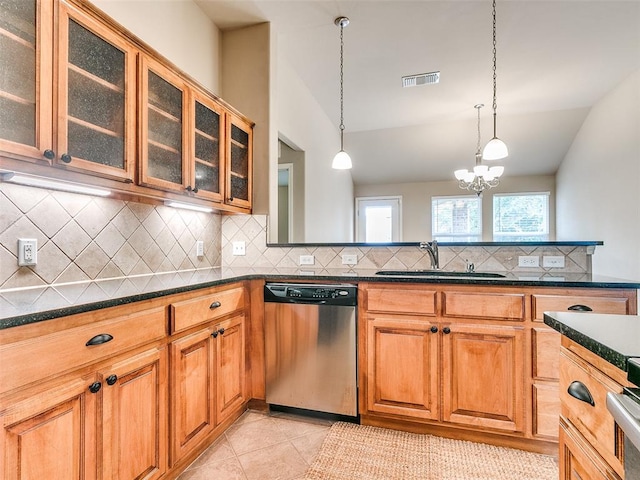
278	462
247	437
229	469
295	427
309	445
219	451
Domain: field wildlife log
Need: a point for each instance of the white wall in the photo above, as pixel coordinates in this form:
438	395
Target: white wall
179	31
303	123
598	183
416	201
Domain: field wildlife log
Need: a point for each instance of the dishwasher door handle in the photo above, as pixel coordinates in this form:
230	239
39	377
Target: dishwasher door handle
626	413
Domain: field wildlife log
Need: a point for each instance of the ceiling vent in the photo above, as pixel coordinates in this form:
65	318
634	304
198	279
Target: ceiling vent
420	79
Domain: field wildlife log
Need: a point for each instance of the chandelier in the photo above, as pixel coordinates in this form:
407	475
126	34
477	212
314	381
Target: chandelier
481	177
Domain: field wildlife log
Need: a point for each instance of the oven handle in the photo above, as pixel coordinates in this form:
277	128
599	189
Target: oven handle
626	413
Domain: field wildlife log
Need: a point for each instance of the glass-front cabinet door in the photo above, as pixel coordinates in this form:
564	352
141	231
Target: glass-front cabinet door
163	132
96	97
239	158
26	53
207	178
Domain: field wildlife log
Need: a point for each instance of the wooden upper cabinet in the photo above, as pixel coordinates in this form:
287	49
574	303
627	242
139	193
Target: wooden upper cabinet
163	127
96	83
26	62
239	136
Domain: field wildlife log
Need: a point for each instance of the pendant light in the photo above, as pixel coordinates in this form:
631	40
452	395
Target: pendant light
342	160
496	148
481	178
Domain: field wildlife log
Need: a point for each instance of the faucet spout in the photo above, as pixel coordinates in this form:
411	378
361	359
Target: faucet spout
432	249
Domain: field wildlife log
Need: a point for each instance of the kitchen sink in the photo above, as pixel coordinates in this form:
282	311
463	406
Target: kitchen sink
439	273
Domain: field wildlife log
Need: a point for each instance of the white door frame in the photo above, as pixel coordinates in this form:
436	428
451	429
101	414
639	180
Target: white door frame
394	201
288	167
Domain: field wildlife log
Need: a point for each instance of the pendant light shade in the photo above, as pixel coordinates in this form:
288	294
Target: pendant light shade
496	148
342	160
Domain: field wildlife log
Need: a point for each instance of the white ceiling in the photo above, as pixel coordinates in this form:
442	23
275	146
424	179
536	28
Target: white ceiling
555	60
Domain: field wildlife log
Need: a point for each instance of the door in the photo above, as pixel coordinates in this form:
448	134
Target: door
134	417
402	367
51	435
483	376
192	383
379	219
96	97
239	162
163	129
26	62
230	367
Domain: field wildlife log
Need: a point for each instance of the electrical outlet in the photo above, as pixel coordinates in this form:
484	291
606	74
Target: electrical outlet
238	247
27	252
348	259
528	261
307	260
553	261
199	248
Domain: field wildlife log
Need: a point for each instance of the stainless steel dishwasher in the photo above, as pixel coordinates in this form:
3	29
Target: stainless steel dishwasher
310	347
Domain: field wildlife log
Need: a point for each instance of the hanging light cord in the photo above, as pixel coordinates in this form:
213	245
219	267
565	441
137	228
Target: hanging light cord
495	101
478	151
342	88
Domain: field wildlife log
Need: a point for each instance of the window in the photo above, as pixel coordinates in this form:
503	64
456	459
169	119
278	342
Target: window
378	219
522	217
456	219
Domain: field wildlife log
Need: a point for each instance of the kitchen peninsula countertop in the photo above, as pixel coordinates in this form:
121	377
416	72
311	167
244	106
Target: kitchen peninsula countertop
614	338
30	305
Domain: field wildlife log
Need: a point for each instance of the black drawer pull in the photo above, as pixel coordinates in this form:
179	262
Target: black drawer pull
99	339
215	305
95	387
112	379
580	308
580	391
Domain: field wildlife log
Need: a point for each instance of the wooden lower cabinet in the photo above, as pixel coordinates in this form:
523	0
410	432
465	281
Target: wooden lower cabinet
483	376
402	367
109	425
208	382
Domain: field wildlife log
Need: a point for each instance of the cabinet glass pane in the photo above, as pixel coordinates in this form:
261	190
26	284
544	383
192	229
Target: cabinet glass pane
96	99
164	130
207	148
207	178
18	71
239	163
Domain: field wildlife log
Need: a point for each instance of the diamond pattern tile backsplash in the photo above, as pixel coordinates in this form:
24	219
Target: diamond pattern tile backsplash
84	238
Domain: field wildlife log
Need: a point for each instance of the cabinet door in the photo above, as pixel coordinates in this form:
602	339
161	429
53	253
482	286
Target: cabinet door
207	179
193	394
134	417
239	162
163	129
96	97
483	376
26	63
51	435
402	367
230	367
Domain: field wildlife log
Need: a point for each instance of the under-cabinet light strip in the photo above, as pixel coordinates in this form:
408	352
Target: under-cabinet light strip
40	182
188	206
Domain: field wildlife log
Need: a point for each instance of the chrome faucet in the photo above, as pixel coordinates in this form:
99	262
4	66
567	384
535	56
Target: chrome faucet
432	250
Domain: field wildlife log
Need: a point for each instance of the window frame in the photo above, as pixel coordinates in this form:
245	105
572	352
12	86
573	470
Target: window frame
455	237
514	236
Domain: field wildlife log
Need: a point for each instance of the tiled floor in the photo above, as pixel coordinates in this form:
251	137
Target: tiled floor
261	446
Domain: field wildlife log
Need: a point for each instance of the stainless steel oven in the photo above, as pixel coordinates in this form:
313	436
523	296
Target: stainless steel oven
625	409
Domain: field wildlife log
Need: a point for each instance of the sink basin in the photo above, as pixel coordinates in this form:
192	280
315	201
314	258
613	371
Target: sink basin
439	273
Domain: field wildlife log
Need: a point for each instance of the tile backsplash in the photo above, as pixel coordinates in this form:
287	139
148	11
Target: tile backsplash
84	238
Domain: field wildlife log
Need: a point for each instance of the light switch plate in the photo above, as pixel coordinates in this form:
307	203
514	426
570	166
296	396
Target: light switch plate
27	252
307	260
199	248
553	261
238	247
349	259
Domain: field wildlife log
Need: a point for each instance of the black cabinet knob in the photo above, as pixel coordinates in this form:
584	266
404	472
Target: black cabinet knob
66	158
221	331
99	339
111	379
49	154
195	189
95	387
214	334
434	329
446	330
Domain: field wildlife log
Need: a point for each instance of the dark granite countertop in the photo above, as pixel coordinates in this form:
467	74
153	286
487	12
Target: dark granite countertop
614	338
24	306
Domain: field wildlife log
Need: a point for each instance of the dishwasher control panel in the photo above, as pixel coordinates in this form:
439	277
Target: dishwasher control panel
310	293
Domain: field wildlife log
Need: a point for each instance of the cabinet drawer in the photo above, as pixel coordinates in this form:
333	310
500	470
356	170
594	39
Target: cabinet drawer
504	306
561	303
40	357
189	313
593	421
401	300
546	349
